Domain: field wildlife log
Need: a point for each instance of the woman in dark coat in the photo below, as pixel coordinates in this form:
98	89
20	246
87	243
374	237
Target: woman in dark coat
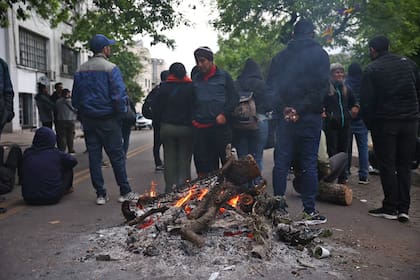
174	113
340	106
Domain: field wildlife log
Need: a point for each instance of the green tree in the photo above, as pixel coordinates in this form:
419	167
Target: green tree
129	64
351	22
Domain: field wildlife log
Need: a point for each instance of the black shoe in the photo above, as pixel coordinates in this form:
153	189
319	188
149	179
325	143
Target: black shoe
403	217
381	212
313	218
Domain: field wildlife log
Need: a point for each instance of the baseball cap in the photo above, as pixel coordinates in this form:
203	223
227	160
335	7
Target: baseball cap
98	42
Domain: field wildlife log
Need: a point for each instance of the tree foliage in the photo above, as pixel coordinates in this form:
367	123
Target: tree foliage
347	24
129	64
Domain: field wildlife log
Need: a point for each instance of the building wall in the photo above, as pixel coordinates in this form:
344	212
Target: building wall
24	78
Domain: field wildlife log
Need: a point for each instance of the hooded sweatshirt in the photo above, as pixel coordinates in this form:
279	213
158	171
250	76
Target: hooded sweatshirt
251	79
42	167
299	77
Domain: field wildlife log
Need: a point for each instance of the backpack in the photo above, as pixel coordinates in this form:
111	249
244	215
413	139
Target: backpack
149	103
245	114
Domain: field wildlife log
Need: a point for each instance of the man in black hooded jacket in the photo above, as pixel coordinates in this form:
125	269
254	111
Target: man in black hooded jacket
297	82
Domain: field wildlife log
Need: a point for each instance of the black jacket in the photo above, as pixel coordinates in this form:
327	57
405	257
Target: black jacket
251	79
214	96
6	95
390	89
299	77
174	103
337	106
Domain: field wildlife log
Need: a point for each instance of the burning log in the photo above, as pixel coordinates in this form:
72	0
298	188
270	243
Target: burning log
204	214
335	193
147	214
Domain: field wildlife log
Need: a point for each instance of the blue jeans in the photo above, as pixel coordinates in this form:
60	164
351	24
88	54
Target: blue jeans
105	134
299	142
359	130
262	139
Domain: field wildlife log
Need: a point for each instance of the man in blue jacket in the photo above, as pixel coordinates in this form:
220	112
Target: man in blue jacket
99	94
297	82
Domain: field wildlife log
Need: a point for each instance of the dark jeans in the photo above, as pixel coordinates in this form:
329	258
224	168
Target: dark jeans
177	150
65	135
210	147
394	144
338	141
360	132
299	142
245	142
261	141
156	144
66	185
105	134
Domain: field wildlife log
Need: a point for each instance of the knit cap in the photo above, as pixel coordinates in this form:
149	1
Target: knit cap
203	52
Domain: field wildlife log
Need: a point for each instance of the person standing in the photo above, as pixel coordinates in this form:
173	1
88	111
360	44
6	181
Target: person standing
247	141
66	116
6	100
99	94
340	107
174	113
147	110
390	94
215	98
297	83
44	103
6	96
357	126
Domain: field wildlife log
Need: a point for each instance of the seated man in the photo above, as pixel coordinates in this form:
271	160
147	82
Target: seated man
47	173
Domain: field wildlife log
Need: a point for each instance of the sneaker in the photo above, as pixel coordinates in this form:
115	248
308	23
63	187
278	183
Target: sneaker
403	217
159	168
101	200
373	171
363	181
381	212
313	218
128	196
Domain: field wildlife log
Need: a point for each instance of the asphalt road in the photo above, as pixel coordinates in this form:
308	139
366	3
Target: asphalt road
44	242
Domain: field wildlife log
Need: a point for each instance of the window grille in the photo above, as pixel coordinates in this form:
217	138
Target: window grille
69	60
33	50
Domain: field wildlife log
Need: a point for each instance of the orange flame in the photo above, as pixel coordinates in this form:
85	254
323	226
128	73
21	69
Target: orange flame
187	209
233	201
203	193
152	192
184	199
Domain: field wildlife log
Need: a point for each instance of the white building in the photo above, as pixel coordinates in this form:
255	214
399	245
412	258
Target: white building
32	50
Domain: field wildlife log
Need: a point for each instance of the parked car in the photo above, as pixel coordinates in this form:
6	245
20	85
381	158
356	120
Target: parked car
142	122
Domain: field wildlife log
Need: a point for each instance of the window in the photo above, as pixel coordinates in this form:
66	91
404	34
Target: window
33	50
69	60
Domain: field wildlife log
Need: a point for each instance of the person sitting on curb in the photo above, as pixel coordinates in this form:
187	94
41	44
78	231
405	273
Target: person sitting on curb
47	173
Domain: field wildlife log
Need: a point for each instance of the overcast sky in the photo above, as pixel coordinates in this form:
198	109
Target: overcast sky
187	39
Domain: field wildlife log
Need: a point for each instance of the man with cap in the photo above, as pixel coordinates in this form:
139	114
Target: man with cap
390	93
99	94
215	98
297	82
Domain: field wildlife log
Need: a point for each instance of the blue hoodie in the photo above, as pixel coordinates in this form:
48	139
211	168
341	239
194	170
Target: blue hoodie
42	167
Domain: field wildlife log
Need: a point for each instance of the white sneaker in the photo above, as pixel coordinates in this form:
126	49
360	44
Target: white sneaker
100	200
128	196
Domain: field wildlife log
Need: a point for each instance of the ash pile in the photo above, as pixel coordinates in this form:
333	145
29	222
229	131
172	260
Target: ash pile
214	228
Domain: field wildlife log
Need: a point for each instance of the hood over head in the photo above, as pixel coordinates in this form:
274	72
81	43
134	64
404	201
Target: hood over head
251	70
44	138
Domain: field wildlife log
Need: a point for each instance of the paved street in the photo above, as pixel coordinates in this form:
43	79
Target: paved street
43	242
